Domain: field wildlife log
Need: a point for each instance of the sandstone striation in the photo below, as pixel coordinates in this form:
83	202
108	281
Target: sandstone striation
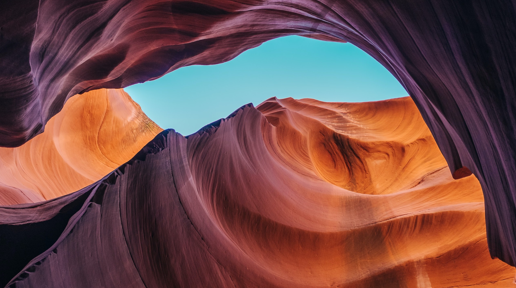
93	135
294	193
454	58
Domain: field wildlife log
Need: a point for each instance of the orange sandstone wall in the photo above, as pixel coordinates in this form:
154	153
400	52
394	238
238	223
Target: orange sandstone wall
95	133
455	58
293	193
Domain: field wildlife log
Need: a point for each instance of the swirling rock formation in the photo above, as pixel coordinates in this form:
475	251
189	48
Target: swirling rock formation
455	58
291	194
93	135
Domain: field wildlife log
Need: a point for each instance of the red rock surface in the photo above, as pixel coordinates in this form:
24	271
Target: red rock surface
291	194
93	135
455	58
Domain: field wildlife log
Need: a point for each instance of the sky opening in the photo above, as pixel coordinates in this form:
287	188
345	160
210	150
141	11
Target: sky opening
298	67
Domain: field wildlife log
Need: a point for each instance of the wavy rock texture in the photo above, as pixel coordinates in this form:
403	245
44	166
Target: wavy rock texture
454	58
93	135
303	194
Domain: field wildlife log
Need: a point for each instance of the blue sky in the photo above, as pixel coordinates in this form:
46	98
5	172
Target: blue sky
298	67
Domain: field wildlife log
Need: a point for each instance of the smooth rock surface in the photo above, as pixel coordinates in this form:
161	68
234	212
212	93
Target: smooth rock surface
291	194
454	58
93	135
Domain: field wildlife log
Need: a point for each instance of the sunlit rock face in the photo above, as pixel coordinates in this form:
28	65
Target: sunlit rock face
294	193
94	134
455	58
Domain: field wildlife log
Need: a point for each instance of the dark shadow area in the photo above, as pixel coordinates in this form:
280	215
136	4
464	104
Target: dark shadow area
19	244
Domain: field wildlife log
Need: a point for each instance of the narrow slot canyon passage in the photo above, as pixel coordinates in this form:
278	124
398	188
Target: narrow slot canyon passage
303	191
289	143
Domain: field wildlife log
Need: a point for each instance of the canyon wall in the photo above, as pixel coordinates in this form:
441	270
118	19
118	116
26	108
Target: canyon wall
293	193
454	58
93	135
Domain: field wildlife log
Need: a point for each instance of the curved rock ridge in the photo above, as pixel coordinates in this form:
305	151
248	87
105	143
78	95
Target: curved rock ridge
93	135
370	148
294	193
455	59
